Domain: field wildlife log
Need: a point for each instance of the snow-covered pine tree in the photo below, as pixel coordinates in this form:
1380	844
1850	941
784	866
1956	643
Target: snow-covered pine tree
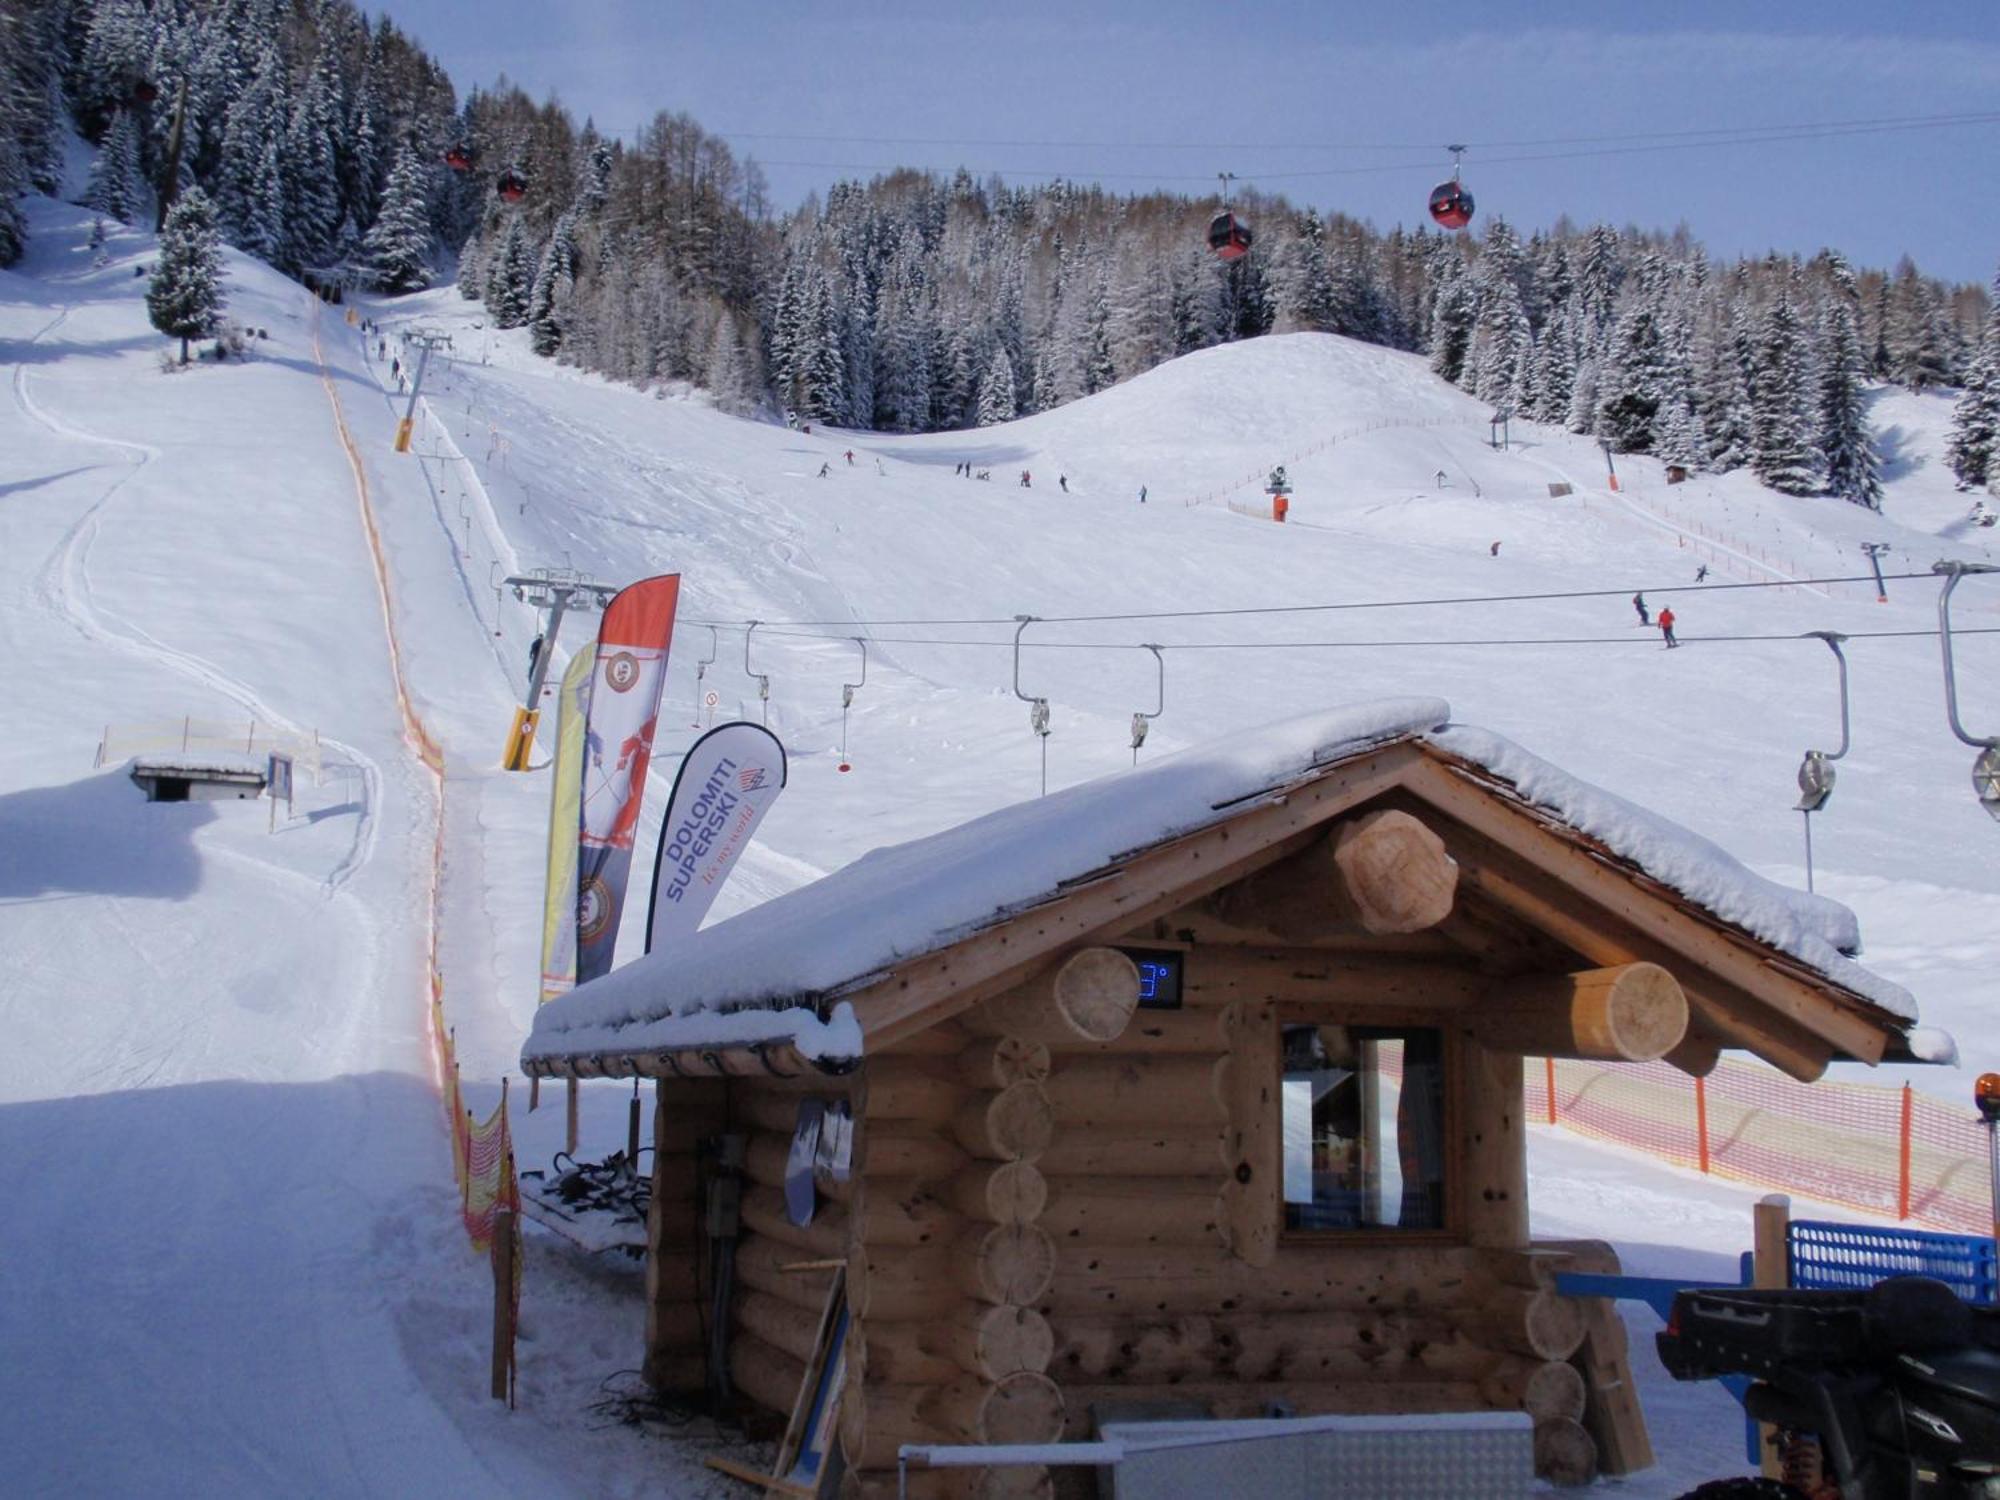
1975	422
311	177
1914	331
1783	453
996	391
1583	397
1723	386
1680	440
116	187
509	276
184	298
1633	378
471	280
1853	472
1554	368
554	279
398	248
1453	310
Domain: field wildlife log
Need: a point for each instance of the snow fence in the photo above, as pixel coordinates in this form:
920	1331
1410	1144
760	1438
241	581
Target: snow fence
1887	1151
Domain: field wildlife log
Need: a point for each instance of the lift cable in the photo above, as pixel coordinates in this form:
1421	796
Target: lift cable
1299	609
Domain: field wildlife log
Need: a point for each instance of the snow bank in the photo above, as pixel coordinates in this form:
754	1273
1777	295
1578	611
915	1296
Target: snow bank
925	895
1818	932
757	976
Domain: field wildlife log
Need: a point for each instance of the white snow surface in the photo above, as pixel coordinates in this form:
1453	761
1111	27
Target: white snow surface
231	1248
767	968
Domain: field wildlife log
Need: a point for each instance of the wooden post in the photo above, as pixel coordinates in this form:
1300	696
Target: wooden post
503	1304
1701	1119
1903	1156
570	1131
1771	1266
1549	1065
1494	1150
632	1128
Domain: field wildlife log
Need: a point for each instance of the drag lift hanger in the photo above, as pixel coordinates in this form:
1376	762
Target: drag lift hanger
1142	721
1038	708
847	692
1228	236
1986	766
701	666
1816	772
762	679
1451	204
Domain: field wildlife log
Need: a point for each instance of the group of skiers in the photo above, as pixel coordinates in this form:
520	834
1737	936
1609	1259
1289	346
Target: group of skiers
1665	621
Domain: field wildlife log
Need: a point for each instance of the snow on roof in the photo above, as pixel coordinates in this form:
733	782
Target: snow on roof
894	904
1821	934
755	977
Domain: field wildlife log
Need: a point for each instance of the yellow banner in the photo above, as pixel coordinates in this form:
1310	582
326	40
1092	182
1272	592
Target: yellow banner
565	803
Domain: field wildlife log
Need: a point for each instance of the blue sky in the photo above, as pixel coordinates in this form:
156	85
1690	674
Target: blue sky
1295	97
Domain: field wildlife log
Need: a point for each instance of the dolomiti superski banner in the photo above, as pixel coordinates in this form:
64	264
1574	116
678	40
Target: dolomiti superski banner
726	784
565	811
625	683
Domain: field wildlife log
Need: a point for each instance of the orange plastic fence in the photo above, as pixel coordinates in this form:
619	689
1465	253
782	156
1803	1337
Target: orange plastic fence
1888	1151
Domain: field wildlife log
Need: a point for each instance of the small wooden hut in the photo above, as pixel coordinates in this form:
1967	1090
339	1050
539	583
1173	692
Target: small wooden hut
1202	1083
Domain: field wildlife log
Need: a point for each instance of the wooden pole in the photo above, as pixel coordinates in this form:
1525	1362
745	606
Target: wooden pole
632	1127
570	1130
503	1304
1771	1266
1903	1155
1701	1119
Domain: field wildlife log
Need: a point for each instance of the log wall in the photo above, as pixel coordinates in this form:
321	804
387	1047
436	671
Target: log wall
1042	1217
676	1280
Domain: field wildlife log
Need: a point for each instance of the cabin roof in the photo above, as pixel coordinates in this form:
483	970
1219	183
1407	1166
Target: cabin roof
833	970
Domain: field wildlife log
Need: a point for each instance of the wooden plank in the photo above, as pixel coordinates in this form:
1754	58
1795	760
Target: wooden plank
1152	883
1612	1413
1229	975
1657	912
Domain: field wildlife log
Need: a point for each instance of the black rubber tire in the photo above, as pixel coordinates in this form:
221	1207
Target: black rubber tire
1746	1488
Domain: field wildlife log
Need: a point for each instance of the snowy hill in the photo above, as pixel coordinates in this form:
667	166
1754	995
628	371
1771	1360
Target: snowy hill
223	1148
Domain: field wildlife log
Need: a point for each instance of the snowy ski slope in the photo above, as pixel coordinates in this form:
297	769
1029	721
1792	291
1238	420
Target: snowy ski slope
231	1248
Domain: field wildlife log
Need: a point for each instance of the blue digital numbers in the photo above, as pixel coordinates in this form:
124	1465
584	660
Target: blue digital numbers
1159	977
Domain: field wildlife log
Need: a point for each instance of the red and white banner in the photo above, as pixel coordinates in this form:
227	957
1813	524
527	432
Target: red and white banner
630	671
726	784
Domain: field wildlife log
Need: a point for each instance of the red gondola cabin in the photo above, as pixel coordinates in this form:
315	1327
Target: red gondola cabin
1229	236
458	159
1451	204
511	187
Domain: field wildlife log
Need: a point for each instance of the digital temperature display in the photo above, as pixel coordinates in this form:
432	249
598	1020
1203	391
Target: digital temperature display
1159	977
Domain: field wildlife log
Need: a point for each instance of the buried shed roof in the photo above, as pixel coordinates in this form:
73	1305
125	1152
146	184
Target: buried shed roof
835	968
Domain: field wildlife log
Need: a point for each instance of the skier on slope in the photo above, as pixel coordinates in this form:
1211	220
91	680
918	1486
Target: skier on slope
1063	481
1639	603
850	458
1142	494
1701	573
1667	627
824	470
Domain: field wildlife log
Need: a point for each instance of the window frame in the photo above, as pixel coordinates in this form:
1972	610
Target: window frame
1451	1050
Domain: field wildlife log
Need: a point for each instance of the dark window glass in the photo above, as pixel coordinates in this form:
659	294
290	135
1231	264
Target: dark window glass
1363	1111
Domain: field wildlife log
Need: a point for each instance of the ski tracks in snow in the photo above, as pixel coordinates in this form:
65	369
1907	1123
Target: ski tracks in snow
63	587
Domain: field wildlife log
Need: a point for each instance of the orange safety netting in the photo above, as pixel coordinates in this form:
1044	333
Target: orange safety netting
1888	1151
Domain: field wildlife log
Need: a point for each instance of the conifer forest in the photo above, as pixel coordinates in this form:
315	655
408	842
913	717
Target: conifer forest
330	142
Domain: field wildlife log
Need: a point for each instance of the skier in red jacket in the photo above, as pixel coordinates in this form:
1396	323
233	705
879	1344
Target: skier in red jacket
1667	627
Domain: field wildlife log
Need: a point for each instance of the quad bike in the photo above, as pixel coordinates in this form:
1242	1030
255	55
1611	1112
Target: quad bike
1892	1393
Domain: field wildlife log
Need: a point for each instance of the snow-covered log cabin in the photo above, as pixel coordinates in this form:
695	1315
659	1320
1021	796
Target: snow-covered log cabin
1201	1082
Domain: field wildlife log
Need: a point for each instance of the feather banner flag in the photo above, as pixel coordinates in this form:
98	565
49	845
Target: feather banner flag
629	673
727	782
565	809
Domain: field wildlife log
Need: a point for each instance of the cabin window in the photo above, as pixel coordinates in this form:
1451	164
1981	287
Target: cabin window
1364	1128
